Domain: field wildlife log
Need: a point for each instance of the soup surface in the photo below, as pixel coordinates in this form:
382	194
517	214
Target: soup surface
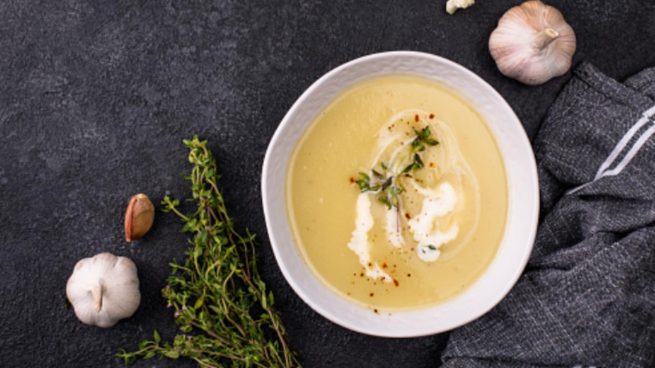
397	194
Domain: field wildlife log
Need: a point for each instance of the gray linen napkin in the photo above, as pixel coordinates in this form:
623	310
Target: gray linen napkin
587	297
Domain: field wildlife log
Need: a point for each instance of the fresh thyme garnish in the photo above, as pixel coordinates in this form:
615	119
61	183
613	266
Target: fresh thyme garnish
416	164
385	199
423	138
364	183
387	183
388	187
390	197
223	309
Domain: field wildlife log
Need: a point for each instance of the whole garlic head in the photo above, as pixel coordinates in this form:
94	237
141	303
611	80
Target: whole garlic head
533	43
104	289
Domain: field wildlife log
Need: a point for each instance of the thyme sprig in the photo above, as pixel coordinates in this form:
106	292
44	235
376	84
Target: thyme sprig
417	163
422	138
387	186
222	307
386	183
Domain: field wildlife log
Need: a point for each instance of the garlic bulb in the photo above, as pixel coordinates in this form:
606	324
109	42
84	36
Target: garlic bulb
104	289
453	5
533	43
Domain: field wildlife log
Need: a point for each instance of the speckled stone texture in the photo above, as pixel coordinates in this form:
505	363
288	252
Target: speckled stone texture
95	98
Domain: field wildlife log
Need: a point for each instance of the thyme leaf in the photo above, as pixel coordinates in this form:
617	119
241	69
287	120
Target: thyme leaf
387	183
416	164
384	199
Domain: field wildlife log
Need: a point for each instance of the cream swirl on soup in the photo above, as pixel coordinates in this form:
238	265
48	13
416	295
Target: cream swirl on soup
415	190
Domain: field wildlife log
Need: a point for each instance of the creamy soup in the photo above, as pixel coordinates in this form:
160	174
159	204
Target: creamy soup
397	194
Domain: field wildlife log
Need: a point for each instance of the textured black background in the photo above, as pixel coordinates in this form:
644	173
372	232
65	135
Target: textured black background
95	98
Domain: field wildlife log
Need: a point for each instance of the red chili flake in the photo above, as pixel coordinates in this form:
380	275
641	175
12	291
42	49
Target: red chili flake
375	310
361	274
370	264
352	180
409	275
384	264
416	117
371	295
432	164
431	116
407	216
395	282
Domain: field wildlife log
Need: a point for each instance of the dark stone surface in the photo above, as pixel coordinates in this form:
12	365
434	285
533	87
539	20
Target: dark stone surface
95	98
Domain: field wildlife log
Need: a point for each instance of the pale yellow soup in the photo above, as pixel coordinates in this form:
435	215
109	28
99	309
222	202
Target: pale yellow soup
323	199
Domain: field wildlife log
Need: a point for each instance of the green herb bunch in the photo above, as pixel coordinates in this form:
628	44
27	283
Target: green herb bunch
221	305
385	182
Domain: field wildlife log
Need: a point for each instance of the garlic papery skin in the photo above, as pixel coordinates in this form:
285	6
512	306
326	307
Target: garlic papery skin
453	5
104	289
533	43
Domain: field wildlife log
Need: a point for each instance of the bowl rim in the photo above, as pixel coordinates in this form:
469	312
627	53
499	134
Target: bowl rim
533	215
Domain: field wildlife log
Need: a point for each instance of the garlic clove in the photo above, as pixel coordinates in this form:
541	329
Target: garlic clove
139	216
533	43
104	289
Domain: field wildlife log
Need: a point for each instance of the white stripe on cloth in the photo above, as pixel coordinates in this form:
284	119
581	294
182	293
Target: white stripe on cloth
603	170
645	117
631	154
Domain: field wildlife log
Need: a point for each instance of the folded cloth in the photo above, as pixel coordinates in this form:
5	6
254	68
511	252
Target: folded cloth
587	296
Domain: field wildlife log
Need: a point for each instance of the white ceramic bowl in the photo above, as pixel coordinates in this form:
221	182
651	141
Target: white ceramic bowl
523	212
